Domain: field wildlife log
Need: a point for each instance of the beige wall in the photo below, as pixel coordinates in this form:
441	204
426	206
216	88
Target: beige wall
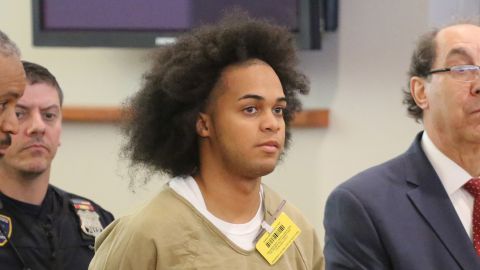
358	75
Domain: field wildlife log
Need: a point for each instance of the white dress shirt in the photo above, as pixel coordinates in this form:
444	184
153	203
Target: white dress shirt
453	177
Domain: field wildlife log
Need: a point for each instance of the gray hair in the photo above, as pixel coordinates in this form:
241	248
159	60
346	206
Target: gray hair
7	46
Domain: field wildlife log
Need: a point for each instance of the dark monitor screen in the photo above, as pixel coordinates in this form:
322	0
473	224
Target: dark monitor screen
149	23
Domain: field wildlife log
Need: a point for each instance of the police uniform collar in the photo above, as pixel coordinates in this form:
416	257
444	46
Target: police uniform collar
23	207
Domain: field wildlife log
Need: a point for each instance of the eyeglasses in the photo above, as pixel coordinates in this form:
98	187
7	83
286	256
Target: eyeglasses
463	73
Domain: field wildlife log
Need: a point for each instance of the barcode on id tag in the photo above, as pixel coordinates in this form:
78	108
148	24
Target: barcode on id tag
273	245
275	235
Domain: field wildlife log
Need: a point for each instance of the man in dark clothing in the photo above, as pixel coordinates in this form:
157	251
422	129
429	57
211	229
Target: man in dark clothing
420	210
42	226
12	85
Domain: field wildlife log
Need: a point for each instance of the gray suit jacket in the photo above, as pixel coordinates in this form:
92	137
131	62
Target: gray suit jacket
396	215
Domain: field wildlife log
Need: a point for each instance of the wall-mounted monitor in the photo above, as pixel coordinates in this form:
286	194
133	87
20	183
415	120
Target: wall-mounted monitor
150	23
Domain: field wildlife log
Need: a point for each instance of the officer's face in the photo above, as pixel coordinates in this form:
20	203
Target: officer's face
40	123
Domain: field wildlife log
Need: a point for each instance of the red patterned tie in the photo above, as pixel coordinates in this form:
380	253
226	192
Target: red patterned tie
473	187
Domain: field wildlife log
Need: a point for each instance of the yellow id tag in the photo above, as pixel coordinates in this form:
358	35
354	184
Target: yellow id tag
273	245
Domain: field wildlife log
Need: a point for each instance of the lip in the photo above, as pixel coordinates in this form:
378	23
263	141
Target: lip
3	148
35	146
270	146
476	111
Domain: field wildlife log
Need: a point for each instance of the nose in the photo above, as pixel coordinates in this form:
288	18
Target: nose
271	122
475	89
9	121
36	125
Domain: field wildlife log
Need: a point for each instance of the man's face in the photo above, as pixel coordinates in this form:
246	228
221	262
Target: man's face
453	107
246	129
12	85
40	123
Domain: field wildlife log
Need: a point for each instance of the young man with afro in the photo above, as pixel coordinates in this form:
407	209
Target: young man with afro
214	114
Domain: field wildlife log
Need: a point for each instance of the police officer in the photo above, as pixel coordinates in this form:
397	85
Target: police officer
42	226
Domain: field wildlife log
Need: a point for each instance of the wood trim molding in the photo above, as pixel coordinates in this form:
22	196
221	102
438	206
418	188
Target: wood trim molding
91	114
317	118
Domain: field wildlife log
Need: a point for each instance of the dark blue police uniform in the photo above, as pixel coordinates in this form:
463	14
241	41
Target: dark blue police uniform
58	234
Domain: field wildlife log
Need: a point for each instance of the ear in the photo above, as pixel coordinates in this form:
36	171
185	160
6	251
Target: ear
202	125
419	92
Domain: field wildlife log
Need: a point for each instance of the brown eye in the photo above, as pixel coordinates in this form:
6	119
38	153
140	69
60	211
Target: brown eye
3	105
49	116
278	110
250	110
20	114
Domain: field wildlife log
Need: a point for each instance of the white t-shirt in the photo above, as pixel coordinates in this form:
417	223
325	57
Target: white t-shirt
242	235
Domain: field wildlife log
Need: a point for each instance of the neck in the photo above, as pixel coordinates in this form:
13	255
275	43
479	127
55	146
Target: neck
231	198
24	187
466	155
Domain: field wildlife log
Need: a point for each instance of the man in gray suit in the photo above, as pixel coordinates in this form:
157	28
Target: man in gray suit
418	210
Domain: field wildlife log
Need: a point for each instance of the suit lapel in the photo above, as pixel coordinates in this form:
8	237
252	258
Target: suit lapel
432	202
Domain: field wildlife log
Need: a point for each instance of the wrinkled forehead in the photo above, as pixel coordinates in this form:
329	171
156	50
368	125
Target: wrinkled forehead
459	44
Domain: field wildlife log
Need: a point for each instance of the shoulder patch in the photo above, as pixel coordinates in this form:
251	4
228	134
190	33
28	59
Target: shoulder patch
89	219
82	204
5	229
